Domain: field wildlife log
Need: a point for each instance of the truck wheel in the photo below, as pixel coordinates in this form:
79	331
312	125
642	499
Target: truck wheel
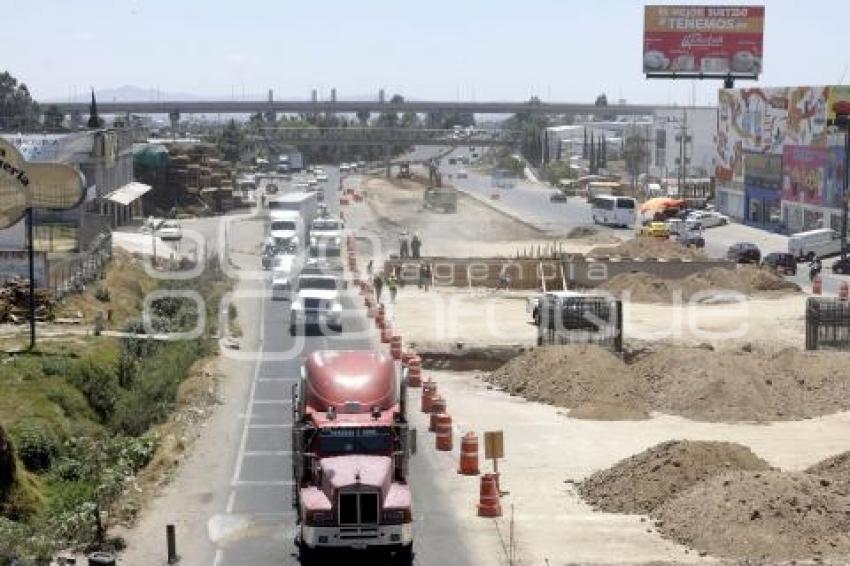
404	557
306	555
292	331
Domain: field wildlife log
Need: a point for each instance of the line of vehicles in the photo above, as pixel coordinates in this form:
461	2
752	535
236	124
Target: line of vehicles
351	441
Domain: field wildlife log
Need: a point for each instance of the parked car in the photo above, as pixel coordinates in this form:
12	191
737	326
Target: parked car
170	230
557	196
691	238
708	218
655	230
782	262
744	252
842	266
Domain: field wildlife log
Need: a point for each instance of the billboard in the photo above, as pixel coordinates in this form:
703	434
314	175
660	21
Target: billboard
703	41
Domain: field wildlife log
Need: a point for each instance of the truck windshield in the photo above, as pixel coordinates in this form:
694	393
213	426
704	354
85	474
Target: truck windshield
354	440
283	225
318	283
325	225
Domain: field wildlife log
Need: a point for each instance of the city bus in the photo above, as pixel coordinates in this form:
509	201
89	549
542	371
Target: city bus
613	210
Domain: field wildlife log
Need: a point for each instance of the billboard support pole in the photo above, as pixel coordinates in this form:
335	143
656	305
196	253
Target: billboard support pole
31	254
729	82
844	196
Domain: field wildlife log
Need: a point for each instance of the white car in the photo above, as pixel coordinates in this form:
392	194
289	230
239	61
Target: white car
343	167
312	182
322	177
708	218
327	230
170	230
317	303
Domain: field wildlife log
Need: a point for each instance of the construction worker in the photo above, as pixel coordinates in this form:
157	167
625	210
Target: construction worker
425	276
415	246
369	268
404	247
378	282
392	284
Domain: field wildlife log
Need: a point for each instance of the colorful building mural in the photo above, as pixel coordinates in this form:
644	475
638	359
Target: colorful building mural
789	127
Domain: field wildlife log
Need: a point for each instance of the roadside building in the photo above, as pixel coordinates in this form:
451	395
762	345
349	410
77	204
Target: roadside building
778	165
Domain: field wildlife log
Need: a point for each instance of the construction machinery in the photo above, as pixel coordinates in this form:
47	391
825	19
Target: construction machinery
351	449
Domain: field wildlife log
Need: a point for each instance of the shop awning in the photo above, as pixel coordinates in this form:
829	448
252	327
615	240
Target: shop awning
128	193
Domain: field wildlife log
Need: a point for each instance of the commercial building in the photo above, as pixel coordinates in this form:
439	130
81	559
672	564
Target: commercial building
778	164
112	198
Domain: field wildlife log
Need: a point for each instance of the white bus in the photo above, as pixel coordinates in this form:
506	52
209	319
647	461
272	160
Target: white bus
613	211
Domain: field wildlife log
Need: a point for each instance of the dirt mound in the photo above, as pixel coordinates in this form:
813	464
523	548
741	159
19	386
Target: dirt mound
702	384
741	385
767	516
590	380
709	286
648	247
581	232
644	481
835	468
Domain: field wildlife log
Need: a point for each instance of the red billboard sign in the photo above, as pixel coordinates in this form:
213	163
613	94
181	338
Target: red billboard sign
805	169
703	41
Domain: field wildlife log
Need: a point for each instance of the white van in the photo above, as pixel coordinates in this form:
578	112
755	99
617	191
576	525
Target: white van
821	242
287	226
613	211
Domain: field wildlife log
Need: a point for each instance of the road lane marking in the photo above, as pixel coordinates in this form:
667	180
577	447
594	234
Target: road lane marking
268	453
273	402
244	483
282	425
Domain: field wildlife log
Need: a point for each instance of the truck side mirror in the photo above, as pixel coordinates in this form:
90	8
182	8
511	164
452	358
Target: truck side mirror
412	440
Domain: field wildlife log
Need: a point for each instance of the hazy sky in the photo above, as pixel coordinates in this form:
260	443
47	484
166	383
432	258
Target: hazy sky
566	50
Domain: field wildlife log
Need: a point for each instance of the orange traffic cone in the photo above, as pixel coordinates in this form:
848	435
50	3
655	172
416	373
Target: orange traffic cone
414	372
468	455
386	333
444	432
395	346
489	504
438	406
842	292
429	390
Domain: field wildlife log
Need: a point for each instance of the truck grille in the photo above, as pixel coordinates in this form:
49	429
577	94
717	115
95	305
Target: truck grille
359	508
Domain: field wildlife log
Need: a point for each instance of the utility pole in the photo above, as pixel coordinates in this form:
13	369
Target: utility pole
683	137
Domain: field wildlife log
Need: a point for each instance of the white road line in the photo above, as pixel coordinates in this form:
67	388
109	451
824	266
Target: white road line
243	483
273	402
268	453
219	556
282	425
231	499
280	379
244	440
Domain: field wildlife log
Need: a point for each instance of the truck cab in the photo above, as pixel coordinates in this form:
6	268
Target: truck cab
317	303
351	449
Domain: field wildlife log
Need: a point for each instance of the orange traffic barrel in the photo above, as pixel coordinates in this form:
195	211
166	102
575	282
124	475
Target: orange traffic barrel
429	390
468	455
395	346
488	502
438	406
386	333
843	291
444	432
817	285
414	372
343	201
405	357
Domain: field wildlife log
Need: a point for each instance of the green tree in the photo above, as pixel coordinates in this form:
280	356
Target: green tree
17	108
531	126
53	117
231	143
363	117
592	156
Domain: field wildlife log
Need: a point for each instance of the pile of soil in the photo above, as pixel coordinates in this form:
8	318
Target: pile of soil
648	247
644	481
591	381
707	286
768	516
749	385
581	232
835	468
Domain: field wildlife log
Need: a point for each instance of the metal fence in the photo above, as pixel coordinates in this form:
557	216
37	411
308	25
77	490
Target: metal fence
582	320
827	324
72	272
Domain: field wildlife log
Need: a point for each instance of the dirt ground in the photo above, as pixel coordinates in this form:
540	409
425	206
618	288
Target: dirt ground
732	385
476	230
648	247
717	285
447	315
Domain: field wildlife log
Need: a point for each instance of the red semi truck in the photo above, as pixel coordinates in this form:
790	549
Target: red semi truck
351	448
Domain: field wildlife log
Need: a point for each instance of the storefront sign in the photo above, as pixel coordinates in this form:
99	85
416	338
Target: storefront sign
25	185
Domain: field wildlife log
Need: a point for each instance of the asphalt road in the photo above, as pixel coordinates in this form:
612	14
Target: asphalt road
261	486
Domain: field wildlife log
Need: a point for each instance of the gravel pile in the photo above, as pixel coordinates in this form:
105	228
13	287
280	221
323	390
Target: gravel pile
648	247
644	481
743	385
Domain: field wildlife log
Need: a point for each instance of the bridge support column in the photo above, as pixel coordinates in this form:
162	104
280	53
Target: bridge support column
175	120
388	159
